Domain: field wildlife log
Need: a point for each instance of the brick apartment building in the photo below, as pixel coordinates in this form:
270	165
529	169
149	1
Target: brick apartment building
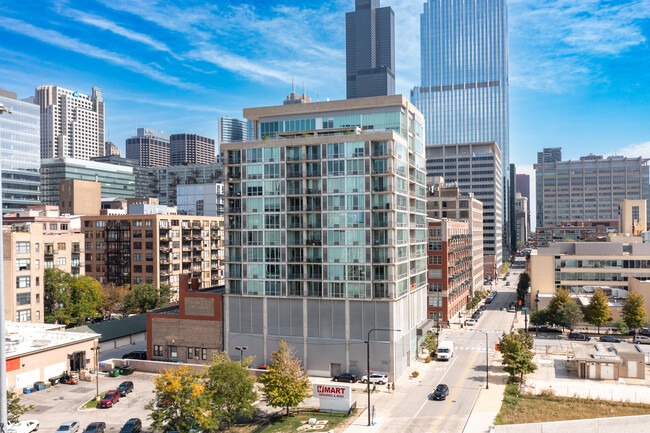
154	249
449	268
36	239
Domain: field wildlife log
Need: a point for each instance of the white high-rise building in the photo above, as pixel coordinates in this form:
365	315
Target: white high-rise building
72	124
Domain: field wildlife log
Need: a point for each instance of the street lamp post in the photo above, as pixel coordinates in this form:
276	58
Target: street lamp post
96	349
241	354
368	363
537	309
3	353
487	359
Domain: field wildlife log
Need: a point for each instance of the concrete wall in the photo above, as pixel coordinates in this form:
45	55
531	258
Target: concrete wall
542	275
598	425
124	341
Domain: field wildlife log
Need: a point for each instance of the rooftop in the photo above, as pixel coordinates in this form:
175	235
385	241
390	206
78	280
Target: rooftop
26	338
113	329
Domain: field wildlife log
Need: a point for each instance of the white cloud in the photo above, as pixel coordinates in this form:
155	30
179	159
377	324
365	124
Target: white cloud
57	39
634	150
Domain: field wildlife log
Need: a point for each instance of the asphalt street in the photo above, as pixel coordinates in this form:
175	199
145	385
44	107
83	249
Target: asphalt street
415	411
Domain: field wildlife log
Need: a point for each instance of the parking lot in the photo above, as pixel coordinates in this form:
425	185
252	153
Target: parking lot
62	403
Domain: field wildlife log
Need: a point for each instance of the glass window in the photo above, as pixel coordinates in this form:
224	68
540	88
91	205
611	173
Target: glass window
23	282
23	264
22	247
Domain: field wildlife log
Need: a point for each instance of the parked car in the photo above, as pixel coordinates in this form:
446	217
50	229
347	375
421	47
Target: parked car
609	339
441	392
578	336
109	399
125	388
136	354
95	427
508	283
379	378
23	426
643	331
134	425
68	427
482	308
470	322
641	339
346	377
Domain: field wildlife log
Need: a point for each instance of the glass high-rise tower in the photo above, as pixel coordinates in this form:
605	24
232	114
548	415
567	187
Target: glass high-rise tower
463	93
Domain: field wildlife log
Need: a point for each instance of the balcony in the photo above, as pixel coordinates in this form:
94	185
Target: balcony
314	259
294	175
317	242
313	191
295	208
295	276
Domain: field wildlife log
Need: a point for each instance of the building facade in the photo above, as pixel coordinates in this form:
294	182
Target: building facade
370	50
549	154
141	174
110	149
201	199
187	149
149	148
575	231
163	182
153	249
326	235
521	219
72	124
19	152
446	201
116	180
80	197
34	240
522	183
632	217
476	169
235	130
588	189
449	269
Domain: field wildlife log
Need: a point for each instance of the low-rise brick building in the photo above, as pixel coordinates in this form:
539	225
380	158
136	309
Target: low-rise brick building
449	268
191	331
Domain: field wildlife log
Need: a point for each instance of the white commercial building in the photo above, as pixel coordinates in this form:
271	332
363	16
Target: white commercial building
200	199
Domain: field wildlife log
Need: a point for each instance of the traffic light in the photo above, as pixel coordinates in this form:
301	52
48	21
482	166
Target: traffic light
520	302
496	346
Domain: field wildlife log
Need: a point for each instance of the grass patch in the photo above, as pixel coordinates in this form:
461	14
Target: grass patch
520	408
93	403
290	424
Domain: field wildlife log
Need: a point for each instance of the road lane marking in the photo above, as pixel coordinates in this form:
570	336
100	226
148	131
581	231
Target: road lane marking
451	399
442	377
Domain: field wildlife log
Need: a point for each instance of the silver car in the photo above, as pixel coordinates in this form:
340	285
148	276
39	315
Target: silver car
68	427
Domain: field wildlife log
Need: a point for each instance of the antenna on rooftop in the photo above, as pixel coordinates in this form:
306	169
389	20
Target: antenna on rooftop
293	86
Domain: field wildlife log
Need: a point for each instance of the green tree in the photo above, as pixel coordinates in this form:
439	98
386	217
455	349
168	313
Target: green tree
560	297
71	299
597	312
621	327
522	286
145	297
634	313
229	387
505	266
286	385
539	317
14	409
430	344
113	301
180	401
568	315
518	359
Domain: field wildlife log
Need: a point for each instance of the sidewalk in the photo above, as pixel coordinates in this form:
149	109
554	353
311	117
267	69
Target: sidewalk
488	402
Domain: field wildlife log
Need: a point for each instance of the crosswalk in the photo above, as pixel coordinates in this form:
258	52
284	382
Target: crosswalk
480	349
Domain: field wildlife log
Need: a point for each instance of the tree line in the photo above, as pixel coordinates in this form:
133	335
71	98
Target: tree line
75	299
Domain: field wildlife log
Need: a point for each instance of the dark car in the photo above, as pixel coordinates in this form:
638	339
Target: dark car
609	339
125	388
109	399
136	354
134	425
441	392
95	427
345	377
578	336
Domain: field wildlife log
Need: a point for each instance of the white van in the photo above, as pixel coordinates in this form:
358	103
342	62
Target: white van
445	350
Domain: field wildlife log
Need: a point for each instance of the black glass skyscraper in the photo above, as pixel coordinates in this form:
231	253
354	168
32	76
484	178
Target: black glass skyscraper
370	50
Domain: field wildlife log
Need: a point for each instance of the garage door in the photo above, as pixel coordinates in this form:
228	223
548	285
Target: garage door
631	369
54	370
27	379
607	371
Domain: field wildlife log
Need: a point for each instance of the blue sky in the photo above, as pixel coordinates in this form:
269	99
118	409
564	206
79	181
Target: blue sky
579	69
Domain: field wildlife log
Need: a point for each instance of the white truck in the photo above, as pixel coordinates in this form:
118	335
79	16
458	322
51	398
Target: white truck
445	350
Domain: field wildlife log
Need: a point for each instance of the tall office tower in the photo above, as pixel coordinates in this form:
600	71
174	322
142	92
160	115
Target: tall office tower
141	174
150	148
110	149
326	235
476	168
588	189
549	154
510	235
20	131
521	219
72	124
185	149
234	130
370	50
522	183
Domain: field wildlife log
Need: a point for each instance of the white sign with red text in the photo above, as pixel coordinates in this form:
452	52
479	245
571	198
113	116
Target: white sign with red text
334	397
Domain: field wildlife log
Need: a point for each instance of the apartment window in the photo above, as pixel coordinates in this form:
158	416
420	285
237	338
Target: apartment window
149	245
60	246
23	298
22	248
38	283
148	234
149	257
38	297
148	223
190	353
23	282
23	315
149	269
53	226
137	245
204	354
137	269
137	280
100	223
149	280
137	257
22	264
157	350
173	352
60	261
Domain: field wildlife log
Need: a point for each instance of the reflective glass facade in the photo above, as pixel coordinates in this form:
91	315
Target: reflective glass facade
20	154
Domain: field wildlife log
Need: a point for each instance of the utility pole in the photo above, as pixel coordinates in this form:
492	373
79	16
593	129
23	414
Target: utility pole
368	365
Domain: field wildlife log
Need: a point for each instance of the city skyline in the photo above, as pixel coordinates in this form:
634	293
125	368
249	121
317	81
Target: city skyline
567	88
